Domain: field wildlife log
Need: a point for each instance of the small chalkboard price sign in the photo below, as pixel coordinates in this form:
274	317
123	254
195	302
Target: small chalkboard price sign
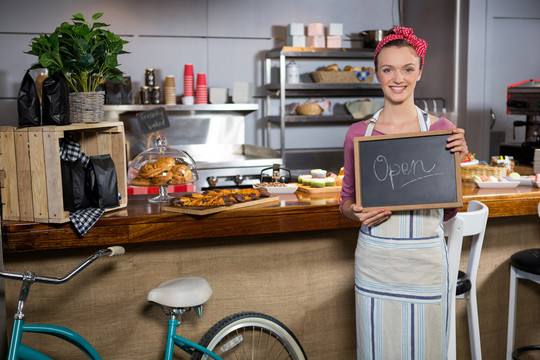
407	172
153	120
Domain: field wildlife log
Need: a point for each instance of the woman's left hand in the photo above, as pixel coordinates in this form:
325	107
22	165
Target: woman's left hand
457	143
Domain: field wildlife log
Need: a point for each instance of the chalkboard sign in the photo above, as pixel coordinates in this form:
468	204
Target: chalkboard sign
153	120
407	171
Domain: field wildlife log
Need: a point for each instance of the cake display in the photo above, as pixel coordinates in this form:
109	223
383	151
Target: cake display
318	173
330	181
320	181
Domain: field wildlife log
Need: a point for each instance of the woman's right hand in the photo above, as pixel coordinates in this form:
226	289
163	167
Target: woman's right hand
369	218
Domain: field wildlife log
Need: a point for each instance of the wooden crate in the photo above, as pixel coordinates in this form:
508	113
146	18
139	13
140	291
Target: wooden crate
30	172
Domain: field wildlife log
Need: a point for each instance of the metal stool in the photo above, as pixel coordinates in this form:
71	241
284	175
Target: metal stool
523	265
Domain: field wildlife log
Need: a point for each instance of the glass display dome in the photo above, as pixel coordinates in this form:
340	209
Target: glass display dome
162	166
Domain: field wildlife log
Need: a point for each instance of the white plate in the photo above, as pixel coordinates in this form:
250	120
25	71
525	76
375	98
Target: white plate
289	189
526	182
498	184
469	163
537	183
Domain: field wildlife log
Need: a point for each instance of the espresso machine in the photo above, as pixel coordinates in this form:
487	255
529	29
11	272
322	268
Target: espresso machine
523	98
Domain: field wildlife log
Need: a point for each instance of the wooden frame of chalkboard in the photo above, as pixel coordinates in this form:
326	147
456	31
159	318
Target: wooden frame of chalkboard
407	172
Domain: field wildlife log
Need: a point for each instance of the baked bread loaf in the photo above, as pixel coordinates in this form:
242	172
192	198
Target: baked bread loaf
332	67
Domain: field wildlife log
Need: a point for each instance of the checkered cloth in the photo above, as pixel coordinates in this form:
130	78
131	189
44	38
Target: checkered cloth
362	75
83	219
70	150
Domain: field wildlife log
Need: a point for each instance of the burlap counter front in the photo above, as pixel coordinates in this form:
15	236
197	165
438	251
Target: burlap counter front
304	279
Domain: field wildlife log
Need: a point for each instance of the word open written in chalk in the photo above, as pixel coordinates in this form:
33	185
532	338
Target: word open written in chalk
402	174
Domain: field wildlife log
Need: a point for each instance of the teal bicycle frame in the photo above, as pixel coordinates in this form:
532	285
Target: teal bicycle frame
184	344
19	351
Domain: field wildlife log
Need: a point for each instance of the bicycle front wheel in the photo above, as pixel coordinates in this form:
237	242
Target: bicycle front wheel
250	335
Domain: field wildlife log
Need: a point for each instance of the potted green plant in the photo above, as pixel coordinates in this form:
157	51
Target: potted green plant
85	54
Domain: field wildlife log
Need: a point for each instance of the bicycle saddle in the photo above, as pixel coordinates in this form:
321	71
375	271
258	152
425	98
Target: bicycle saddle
181	292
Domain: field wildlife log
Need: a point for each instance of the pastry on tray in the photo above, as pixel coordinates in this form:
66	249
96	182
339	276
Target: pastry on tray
220	197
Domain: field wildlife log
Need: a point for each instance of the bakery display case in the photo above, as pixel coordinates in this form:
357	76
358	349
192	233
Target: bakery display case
162	166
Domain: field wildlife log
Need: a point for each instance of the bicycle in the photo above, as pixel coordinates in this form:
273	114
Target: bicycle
239	336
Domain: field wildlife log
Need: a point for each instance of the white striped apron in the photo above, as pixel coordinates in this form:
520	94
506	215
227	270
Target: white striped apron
401	284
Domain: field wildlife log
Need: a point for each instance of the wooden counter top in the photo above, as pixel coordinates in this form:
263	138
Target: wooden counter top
142	221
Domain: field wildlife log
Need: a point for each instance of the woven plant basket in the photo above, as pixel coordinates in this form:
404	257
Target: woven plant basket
468	172
87	107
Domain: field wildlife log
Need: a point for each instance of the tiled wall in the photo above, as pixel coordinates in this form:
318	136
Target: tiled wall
226	39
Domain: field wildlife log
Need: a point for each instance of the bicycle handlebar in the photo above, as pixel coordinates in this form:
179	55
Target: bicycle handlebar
31	277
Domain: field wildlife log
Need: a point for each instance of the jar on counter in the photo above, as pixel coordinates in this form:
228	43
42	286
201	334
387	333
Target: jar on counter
145	95
149	77
156	95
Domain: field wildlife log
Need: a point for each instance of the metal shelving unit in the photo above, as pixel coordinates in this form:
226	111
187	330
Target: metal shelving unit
113	111
324	119
309	89
282	90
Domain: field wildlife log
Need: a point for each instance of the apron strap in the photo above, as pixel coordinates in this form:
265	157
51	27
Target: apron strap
371	124
423	119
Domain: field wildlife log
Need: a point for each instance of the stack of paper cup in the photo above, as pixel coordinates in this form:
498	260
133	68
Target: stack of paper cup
169	90
189	85
201	96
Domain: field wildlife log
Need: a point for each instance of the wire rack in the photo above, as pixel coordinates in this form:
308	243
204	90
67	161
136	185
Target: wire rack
431	105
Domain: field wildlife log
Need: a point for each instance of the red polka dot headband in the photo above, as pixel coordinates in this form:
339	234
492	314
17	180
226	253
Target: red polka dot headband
406	34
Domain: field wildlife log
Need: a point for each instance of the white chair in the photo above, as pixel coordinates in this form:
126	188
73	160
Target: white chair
470	223
524	264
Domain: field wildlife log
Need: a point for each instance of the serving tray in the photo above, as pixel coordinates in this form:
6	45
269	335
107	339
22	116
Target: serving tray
497	184
312	190
202	210
289	189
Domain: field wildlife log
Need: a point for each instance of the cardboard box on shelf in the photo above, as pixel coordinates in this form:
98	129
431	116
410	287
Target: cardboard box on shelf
316	41
334	41
335	29
295	29
296	40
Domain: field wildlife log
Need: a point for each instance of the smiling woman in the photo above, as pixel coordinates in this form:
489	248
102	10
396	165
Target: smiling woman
418	298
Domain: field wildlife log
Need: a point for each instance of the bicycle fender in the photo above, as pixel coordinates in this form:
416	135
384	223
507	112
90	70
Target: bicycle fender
66	335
